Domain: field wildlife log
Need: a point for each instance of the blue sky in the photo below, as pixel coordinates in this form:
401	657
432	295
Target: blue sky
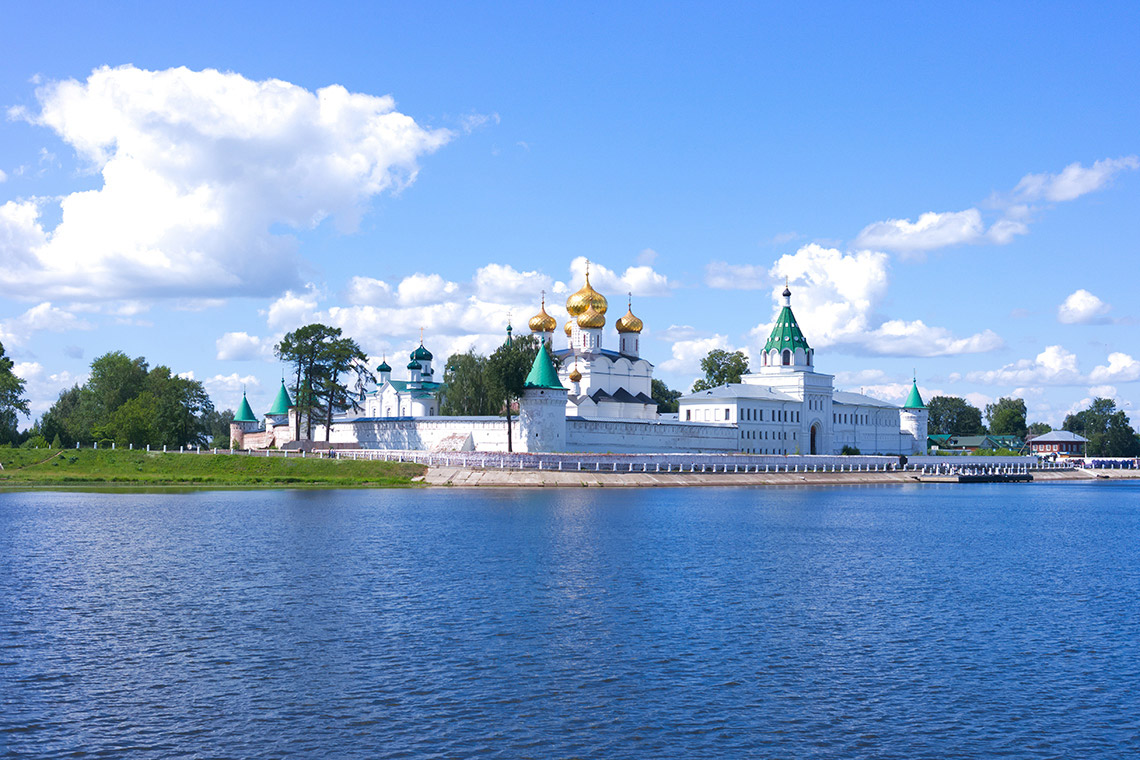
951	191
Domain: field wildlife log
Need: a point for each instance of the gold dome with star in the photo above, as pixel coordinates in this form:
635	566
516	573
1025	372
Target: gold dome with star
577	303
543	322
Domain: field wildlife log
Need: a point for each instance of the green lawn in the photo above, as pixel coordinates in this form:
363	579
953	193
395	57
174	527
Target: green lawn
76	467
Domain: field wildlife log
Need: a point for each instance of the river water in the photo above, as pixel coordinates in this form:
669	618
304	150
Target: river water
881	622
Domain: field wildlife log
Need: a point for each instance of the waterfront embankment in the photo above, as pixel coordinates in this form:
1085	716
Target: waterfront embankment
496	478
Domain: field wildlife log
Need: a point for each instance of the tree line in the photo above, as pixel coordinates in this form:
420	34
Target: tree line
127	402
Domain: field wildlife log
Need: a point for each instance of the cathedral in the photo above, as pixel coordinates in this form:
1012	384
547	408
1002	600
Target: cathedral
602	383
599	399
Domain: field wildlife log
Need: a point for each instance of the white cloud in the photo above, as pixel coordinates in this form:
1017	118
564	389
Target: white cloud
293	310
43	317
932	230
641	280
421	289
721	274
687	354
198	167
1074	180
1103	391
41	388
836	296
1082	308
226	390
3	176
495	281
1053	366
241	346
365	291
1121	368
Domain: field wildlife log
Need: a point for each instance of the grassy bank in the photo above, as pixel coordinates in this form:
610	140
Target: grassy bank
43	467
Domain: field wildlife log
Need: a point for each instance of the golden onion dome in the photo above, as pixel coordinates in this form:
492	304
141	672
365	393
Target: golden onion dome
585	298
591	318
568	328
542	322
629	323
575	375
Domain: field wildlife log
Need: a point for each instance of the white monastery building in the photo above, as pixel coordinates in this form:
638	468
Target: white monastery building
599	400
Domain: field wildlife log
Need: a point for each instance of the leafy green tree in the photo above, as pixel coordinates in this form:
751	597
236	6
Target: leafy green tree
467	387
12	401
1007	417
507	369
950	415
1039	428
1107	429
721	368
339	357
666	397
303	349
127	403
217	427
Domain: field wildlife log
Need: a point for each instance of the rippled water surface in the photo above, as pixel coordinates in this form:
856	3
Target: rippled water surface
934	622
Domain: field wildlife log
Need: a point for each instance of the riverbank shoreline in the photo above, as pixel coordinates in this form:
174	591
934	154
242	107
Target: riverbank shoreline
456	477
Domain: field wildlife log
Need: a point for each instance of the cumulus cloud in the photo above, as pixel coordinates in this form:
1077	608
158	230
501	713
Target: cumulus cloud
42	388
641	280
933	230
498	280
1082	308
1121	368
1053	366
199	169
43	317
1074	180
293	310
226	390
836	296
725	276
363	291
687	354
241	346
419	289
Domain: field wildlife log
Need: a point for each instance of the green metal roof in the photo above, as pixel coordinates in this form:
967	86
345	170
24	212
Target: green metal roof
542	374
383	367
421	353
786	333
914	401
282	403
244	413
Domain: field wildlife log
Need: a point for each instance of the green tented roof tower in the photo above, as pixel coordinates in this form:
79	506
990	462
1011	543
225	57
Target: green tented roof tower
542	374
244	412
914	401
786	332
282	403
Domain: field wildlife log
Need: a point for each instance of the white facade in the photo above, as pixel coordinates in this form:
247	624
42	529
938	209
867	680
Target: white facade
600	400
786	407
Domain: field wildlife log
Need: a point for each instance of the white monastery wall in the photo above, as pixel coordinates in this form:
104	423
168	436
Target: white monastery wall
641	436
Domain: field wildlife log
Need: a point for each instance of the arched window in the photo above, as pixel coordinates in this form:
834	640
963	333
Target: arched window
787	357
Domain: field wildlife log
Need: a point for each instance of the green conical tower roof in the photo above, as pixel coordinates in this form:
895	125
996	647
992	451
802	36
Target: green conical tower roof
786	332
542	374
914	401
244	413
282	403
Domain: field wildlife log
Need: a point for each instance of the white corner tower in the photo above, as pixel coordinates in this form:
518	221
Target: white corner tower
913	420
